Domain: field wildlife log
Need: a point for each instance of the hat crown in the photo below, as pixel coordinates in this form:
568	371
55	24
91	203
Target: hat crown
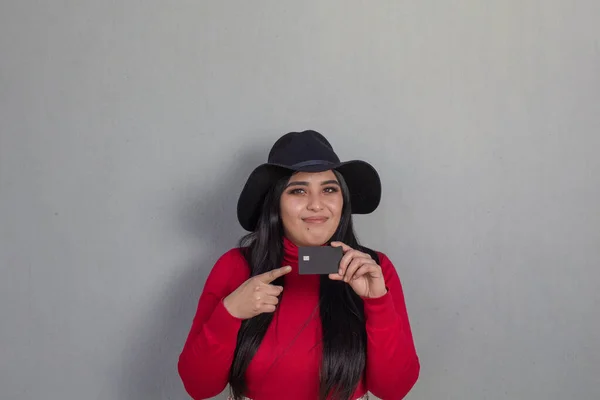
297	148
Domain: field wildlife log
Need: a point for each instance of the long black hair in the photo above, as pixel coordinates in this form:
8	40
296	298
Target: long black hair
341	309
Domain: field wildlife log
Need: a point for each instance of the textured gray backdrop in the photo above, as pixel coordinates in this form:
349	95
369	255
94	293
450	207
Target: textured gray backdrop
128	128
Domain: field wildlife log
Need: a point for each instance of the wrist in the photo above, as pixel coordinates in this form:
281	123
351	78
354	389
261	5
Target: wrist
377	294
227	304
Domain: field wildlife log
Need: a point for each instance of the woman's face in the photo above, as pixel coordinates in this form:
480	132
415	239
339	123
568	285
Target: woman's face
311	207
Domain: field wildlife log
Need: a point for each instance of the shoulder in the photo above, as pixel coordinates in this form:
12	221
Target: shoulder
231	269
233	256
387	267
379	256
384	260
232	261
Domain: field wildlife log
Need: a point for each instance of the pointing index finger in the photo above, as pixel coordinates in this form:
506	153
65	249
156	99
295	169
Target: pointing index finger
270	276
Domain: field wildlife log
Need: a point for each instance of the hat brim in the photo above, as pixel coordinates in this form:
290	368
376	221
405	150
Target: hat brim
361	178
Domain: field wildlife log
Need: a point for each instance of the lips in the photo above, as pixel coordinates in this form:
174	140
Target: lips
315	220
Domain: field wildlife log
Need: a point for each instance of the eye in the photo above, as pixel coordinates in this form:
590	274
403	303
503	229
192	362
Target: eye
296	191
331	189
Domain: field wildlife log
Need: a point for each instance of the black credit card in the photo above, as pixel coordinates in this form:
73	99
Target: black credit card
319	260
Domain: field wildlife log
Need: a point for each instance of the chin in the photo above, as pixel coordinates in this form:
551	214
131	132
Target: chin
314	236
316	240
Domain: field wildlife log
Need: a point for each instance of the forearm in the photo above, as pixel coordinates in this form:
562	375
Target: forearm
207	355
392	362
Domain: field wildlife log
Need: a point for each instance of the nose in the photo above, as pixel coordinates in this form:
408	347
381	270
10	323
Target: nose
314	203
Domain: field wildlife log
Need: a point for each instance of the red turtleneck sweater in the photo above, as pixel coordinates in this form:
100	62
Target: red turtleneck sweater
286	365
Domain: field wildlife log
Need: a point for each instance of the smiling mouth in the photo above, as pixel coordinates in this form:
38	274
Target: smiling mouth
315	220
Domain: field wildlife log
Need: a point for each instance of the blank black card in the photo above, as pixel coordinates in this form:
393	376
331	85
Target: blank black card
319	260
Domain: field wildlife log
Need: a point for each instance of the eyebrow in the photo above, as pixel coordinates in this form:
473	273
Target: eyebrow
304	183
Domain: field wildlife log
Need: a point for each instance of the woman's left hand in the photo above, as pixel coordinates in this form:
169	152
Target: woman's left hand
361	272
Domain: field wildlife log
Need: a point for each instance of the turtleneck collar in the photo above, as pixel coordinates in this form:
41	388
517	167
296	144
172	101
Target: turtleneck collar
290	254
306	285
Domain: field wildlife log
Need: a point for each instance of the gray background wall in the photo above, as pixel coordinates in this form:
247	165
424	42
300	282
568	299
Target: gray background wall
128	128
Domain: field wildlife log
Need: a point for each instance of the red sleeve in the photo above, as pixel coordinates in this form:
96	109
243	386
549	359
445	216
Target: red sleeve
392	362
208	351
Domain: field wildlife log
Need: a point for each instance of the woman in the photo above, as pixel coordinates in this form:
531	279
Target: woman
272	333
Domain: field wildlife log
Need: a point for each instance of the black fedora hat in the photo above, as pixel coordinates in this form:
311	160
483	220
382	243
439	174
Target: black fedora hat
307	151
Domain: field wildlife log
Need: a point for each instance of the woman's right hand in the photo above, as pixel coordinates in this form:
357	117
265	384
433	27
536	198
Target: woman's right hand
256	295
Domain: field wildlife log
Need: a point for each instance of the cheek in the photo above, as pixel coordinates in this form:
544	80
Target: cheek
336	204
290	209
